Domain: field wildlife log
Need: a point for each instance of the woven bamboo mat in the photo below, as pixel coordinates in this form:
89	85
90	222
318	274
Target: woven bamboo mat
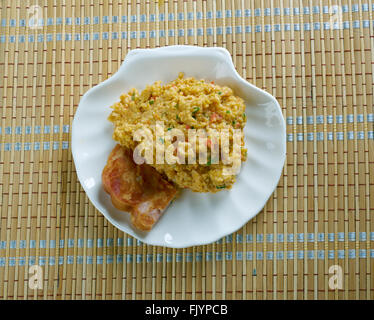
316	57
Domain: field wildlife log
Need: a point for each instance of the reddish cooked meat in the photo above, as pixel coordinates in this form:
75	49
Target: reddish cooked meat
137	189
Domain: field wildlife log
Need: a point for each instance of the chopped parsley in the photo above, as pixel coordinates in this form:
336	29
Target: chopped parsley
219	92
221	187
209	161
151	101
228	111
196	109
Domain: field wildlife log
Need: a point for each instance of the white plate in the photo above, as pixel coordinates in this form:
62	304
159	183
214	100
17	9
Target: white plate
192	219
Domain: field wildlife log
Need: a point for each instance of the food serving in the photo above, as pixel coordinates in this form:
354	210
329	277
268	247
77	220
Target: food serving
182	106
193	218
138	189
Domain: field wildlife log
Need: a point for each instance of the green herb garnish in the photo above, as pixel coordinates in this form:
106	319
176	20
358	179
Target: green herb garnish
151	101
228	111
219	92
221	187
133	97
196	109
233	121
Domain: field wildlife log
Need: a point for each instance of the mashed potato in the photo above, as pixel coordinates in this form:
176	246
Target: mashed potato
185	104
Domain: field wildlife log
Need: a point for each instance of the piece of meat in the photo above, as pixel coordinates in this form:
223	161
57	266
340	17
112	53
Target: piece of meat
137	189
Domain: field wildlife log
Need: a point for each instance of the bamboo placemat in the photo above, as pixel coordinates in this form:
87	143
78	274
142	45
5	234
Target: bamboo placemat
315	57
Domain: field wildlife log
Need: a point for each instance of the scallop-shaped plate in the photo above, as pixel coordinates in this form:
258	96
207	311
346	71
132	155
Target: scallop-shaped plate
193	218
